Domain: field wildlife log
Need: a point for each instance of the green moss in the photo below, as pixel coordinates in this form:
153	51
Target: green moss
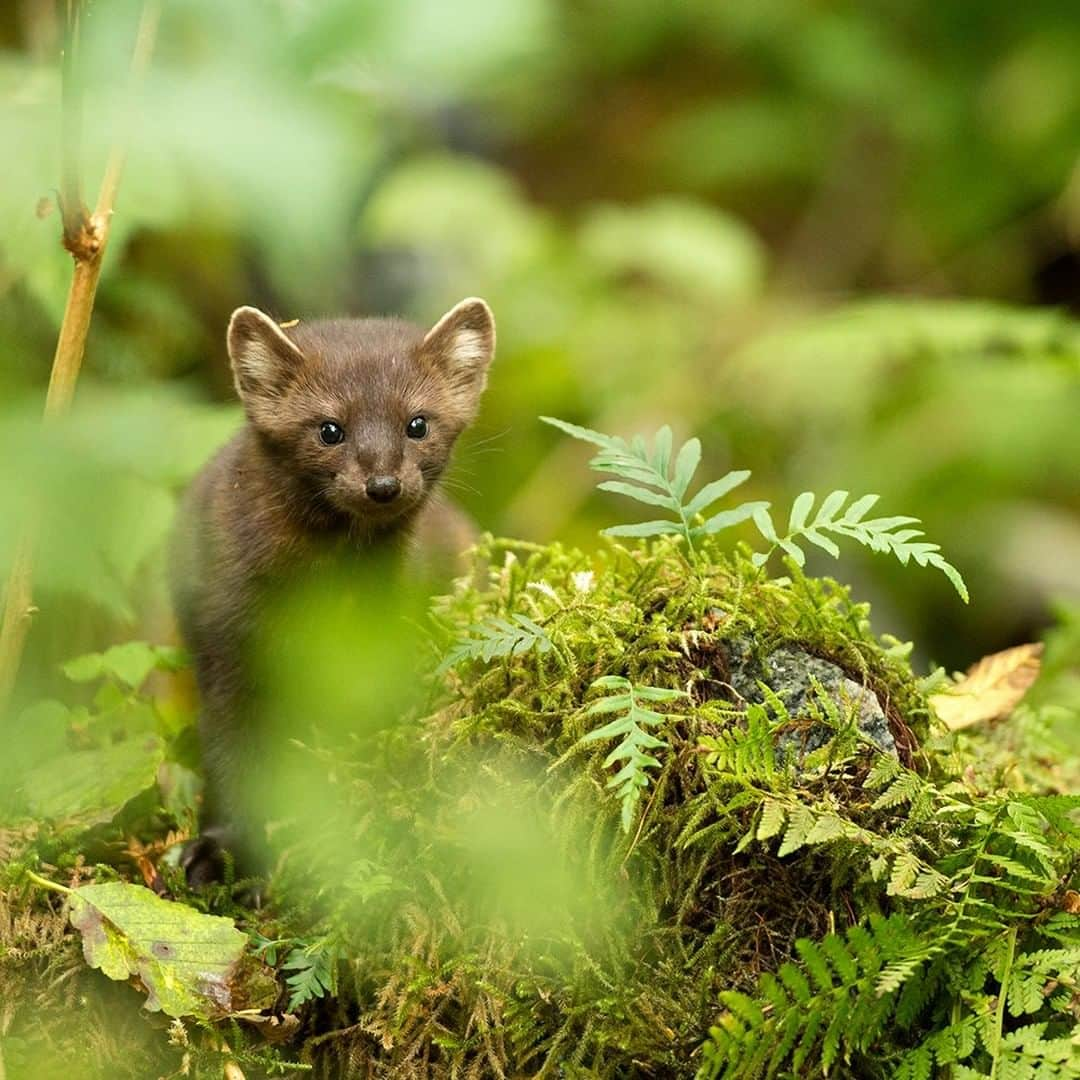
476	906
620	950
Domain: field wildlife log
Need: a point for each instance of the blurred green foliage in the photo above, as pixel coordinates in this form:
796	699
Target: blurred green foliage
657	202
839	242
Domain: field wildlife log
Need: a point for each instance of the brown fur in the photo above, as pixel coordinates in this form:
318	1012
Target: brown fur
276	501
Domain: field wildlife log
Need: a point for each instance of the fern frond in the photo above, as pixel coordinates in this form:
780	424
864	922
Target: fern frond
747	752
655	478
832	1003
632	724
893	535
314	971
497	637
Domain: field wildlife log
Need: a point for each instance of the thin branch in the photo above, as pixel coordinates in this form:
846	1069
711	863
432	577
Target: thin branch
85	236
140	62
73	210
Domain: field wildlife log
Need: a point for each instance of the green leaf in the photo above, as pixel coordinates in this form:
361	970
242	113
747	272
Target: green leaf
642	494
632	724
829	507
662	451
129	663
883	534
763	520
859	509
610	704
793	550
685	466
627	468
717	489
87	787
772	820
611	682
497	638
728	518
188	963
658	693
583	433
314	972
85	668
180	789
644	528
954	577
800	511
645	478
822	542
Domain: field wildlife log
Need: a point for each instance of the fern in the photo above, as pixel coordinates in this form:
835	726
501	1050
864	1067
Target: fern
747	752
814	1011
850	992
498	637
314	971
650	476
631	779
894	535
653	478
973	978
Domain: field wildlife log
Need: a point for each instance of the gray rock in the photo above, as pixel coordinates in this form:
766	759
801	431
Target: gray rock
790	673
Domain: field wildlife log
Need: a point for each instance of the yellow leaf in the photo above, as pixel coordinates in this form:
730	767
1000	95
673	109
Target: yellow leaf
993	687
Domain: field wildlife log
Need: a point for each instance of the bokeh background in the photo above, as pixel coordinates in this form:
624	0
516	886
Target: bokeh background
838	241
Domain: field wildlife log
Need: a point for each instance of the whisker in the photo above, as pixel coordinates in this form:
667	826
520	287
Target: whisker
487	439
452	484
477	451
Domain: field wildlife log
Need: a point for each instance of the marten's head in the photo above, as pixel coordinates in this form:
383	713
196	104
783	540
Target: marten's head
362	412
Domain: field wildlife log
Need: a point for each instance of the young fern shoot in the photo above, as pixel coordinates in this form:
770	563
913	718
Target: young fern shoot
650	476
632	724
894	535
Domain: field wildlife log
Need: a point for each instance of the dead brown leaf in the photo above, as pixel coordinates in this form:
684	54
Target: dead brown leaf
992	688
145	855
275	1029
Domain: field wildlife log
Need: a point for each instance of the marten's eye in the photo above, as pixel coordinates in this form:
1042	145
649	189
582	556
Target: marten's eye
330	433
416	428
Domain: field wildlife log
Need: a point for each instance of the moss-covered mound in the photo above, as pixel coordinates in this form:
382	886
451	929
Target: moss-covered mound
661	816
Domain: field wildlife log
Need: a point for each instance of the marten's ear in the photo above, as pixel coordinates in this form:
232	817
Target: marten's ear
462	344
264	360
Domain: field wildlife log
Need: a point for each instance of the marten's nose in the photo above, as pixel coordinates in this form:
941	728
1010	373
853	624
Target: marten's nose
383	488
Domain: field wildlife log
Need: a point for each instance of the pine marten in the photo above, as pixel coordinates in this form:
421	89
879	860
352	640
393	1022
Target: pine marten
349	425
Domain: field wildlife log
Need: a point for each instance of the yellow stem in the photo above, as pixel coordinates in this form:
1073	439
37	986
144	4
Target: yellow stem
45	883
85	237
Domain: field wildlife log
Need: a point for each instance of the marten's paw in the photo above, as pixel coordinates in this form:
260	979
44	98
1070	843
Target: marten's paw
203	861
